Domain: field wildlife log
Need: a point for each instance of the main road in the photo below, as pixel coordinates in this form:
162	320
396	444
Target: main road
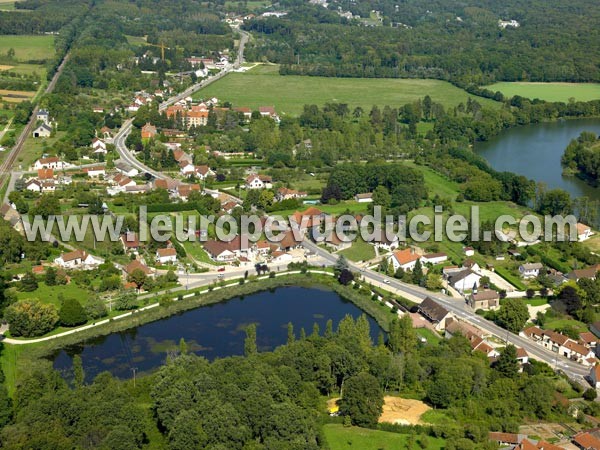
121	136
461	310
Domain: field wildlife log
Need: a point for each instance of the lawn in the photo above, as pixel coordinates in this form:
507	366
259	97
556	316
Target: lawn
195	250
49	294
553	324
431	337
28	47
552	92
360	251
7	5
264	86
350	438
136	40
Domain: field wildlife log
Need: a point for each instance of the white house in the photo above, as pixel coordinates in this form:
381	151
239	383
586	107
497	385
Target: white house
126	169
43	116
384	242
434	258
51	162
204	172
166	255
76	259
405	259
464	280
469	251
95	172
186	168
258	182
364	198
44	130
583	232
99	146
34	185
562	345
530	270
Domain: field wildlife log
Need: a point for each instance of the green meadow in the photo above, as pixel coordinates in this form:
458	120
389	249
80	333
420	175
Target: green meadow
551	92
349	438
263	86
28	47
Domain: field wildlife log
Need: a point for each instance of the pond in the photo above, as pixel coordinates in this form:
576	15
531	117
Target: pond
213	331
535	152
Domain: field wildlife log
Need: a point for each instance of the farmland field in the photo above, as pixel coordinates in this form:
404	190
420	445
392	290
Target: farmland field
7	5
346	438
264	86
552	92
16	96
28	47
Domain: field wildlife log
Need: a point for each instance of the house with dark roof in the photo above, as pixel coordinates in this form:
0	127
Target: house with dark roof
434	313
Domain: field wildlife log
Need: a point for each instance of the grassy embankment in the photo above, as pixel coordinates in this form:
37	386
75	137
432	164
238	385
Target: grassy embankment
263	86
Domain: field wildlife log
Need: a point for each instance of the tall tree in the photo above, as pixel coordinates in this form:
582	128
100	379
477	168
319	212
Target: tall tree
250	347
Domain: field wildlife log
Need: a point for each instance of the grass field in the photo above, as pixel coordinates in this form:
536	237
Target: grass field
136	40
263	86
16	96
360	251
350	438
552	92
28	47
7	5
49	294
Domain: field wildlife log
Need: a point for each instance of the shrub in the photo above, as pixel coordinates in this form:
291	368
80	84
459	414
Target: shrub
72	313
31	318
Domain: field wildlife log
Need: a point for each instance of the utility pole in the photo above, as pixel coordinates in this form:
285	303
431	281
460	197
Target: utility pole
133	369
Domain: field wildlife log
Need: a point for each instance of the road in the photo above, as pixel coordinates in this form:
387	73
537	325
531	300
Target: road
8	163
121	136
461	310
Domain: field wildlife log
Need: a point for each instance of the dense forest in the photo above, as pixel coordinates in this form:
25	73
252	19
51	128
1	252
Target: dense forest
455	40
582	156
275	400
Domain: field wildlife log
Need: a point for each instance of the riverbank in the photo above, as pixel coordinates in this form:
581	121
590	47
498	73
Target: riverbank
23	357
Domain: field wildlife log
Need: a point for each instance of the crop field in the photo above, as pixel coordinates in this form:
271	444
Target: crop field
7	5
15	96
28	47
552	92
263	86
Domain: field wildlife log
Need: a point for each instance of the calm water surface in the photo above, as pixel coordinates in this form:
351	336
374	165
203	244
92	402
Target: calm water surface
535	151
212	331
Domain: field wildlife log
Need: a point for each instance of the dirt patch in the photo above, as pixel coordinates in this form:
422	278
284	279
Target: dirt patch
4	67
15	96
332	406
403	411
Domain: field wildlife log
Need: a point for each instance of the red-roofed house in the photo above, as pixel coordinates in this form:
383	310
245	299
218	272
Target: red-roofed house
166	255
404	259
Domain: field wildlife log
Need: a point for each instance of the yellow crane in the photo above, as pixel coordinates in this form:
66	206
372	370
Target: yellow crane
162	47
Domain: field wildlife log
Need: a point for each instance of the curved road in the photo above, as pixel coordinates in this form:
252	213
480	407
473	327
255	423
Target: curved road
121	136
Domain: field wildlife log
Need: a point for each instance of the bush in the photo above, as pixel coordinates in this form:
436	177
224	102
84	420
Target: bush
590	394
72	313
96	309
29	318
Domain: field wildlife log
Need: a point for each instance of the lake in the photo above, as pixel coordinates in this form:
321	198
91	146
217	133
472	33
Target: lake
213	331
535	152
